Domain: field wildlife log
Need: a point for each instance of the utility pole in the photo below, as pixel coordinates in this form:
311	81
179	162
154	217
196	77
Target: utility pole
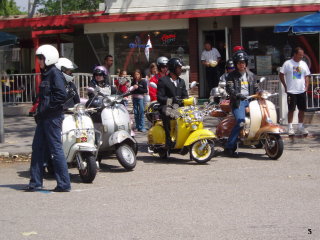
1	117
60	7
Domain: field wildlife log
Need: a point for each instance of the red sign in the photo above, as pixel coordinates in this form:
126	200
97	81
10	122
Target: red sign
167	38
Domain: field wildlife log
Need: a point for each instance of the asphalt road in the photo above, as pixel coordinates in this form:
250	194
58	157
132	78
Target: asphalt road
251	197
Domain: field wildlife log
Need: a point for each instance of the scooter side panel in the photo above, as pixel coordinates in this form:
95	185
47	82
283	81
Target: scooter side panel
68	136
225	127
156	135
255	118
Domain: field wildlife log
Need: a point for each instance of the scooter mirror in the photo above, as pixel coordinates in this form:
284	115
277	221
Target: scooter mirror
193	84
262	79
222	84
90	89
153	85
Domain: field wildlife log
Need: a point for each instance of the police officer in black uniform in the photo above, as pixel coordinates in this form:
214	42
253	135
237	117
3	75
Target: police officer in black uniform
49	117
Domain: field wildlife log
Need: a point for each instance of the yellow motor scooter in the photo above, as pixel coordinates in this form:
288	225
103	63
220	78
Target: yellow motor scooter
186	131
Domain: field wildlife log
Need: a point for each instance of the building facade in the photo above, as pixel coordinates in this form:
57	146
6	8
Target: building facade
174	29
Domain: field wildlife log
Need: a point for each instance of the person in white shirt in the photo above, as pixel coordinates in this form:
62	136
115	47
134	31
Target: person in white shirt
295	76
210	58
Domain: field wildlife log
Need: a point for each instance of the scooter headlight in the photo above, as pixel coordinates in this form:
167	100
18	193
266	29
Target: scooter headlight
106	101
265	95
80	108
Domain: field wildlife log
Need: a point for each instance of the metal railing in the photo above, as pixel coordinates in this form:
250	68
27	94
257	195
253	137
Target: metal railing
21	88
313	93
18	88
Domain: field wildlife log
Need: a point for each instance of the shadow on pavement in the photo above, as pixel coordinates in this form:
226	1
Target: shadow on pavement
112	168
74	177
172	159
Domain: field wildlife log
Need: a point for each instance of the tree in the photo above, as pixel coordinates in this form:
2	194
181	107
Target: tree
53	7
9	7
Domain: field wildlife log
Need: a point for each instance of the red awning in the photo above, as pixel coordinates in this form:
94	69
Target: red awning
97	17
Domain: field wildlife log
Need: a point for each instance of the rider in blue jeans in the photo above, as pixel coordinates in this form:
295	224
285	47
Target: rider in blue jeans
240	84
49	117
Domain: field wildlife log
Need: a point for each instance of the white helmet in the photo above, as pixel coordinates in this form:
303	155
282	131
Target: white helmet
162	61
64	64
50	54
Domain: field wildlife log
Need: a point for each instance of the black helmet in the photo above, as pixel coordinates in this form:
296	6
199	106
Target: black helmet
173	63
240	56
230	64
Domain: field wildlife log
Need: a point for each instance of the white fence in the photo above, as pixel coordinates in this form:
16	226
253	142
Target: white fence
21	88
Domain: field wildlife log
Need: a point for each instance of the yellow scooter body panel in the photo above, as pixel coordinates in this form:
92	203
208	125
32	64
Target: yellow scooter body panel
156	134
199	135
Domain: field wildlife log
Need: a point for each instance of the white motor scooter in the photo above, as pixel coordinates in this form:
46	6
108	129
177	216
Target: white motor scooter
81	141
115	126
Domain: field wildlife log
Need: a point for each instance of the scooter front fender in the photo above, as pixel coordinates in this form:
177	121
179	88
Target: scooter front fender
79	147
199	135
272	128
119	137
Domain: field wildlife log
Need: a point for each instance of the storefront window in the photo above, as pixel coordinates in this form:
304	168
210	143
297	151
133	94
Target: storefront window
267	50
131	53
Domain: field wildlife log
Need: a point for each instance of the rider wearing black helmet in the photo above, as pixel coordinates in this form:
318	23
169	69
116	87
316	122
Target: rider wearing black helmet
240	84
171	90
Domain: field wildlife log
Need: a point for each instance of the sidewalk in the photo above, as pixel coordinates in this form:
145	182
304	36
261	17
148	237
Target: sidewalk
19	131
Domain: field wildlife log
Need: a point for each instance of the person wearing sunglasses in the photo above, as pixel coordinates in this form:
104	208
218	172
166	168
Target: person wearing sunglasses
49	116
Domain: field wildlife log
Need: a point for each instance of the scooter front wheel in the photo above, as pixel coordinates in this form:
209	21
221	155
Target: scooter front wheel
126	156
202	151
89	173
274	146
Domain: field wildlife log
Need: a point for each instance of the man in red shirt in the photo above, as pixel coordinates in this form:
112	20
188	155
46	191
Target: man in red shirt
163	69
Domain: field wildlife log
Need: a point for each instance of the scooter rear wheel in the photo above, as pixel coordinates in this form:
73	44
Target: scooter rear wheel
126	156
202	155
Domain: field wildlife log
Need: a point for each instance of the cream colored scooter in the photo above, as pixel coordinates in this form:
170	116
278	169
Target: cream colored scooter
81	141
260	127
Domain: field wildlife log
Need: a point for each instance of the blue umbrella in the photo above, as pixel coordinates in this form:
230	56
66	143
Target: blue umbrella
303	25
7	39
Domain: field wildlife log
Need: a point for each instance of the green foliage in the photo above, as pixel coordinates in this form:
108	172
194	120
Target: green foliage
52	7
9	7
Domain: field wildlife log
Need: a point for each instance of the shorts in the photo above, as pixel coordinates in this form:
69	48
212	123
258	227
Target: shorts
296	100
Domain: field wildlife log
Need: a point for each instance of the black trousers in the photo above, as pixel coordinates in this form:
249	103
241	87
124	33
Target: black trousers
166	124
212	79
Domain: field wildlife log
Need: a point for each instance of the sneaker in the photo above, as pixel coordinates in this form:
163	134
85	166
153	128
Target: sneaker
302	131
290	131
